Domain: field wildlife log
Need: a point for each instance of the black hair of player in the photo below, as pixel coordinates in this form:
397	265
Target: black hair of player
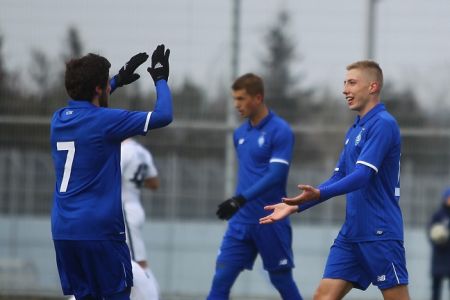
84	74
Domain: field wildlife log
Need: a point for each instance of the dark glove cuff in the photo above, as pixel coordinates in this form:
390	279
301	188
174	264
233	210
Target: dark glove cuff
240	199
117	80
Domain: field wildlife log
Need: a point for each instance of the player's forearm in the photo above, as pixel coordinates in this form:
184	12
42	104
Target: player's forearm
276	175
352	182
337	175
162	115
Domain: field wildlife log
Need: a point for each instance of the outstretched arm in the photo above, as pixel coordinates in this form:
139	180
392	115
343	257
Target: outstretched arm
162	115
352	182
311	196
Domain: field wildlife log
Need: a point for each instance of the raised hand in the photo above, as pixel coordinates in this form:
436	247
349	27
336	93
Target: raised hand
126	74
159	68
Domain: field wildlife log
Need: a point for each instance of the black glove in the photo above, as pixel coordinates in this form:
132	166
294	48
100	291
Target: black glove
160	64
126	74
229	207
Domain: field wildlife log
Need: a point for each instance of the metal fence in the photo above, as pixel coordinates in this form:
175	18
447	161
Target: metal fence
190	159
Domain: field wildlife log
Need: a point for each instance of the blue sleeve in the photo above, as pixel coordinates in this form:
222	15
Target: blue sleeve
356	180
119	124
276	175
162	115
338	174
378	142
113	84
282	147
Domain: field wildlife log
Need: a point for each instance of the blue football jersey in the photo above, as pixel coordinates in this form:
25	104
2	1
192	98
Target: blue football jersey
85	146
373	212
270	141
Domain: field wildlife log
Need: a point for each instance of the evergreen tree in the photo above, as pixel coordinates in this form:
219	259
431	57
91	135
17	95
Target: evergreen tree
282	89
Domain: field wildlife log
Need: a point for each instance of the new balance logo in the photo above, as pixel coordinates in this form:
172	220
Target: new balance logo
381	278
158	65
283	262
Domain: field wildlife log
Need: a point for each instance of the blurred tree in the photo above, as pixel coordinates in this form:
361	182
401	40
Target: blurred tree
40	72
189	101
403	104
282	86
74	46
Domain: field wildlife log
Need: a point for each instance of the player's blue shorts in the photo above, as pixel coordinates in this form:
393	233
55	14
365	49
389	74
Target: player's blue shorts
381	263
96	268
242	242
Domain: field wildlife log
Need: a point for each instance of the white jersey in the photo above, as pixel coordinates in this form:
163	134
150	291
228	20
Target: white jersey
137	165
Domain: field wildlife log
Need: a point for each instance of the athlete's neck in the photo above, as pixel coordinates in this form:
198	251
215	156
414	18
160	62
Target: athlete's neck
368	107
260	114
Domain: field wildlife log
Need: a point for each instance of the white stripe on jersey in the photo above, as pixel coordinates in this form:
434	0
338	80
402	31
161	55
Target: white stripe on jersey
147	121
279	160
367	164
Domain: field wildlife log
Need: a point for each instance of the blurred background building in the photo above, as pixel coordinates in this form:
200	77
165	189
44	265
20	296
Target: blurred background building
301	49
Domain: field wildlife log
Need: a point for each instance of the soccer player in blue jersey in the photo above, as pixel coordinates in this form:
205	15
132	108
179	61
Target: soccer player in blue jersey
369	247
264	145
87	220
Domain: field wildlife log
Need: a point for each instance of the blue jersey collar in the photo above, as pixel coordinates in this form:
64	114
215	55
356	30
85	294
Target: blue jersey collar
80	103
261	123
376	109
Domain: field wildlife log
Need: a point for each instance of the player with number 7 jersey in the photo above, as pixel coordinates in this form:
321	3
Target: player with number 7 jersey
87	219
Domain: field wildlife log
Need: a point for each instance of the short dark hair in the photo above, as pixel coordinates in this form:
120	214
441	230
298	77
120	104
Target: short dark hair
84	74
250	82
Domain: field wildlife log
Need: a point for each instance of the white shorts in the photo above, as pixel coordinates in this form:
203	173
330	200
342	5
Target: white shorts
145	286
134	222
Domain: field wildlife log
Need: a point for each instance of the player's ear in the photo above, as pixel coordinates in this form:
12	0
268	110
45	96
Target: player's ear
374	87
98	90
259	98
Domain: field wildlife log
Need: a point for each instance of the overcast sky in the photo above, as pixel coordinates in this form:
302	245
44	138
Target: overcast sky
412	36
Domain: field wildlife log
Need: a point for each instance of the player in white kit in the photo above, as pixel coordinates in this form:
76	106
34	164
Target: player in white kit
138	171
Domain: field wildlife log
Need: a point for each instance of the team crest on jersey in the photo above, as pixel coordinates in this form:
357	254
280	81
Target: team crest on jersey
358	137
241	141
261	139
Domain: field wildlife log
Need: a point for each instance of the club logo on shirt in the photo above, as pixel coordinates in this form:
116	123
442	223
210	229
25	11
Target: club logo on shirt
241	141
358	137
261	139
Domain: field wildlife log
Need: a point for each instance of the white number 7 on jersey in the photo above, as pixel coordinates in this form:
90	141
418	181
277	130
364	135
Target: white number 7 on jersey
70	148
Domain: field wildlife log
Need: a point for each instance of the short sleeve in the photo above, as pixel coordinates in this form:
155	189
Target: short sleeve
122	124
379	140
282	146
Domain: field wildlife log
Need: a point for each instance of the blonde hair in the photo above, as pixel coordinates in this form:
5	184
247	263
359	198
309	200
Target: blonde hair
372	67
